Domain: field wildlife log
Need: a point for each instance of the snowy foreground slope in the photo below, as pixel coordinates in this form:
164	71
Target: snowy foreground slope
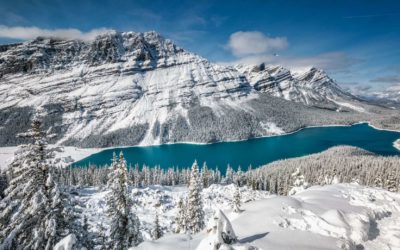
339	216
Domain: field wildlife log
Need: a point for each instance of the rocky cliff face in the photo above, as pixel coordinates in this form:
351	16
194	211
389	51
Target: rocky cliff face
314	87
139	88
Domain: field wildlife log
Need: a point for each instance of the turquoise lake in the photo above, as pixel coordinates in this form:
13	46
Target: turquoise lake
255	152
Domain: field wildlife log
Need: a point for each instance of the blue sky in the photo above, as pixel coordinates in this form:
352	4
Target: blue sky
357	42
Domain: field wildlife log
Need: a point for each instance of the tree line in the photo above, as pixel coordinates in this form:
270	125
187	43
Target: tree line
342	164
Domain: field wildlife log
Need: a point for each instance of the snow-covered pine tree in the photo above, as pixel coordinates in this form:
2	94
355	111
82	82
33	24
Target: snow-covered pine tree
32	213
124	228
3	183
391	183
181	217
89	240
147	175
195	213
299	183
204	175
238	177
76	221
229	174
237	200
102	238
217	175
157	232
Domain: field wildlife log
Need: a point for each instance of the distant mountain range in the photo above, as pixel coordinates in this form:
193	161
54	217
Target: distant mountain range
389	97
139	88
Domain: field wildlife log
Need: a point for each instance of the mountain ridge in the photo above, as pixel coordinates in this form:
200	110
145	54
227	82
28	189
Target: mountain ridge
312	87
128	88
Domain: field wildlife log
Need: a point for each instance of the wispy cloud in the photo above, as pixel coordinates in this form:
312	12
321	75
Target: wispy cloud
243	43
146	14
357	88
218	20
27	33
387	79
372	15
185	36
363	88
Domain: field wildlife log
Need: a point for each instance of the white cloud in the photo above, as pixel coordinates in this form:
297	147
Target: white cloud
26	33
254	48
243	43
333	62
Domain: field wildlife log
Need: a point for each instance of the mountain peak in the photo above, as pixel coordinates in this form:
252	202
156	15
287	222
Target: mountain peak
46	54
314	74
312	87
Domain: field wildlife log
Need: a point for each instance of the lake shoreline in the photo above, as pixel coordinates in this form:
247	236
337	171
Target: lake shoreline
359	135
256	137
77	154
396	144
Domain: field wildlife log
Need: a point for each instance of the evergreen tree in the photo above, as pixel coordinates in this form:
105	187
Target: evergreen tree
299	183
204	175
32	212
195	213
3	183
181	217
237	200
229	174
124	228
156	233
89	240
391	183
239	177
102	239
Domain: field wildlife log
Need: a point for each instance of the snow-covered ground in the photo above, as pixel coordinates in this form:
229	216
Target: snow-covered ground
6	156
349	105
340	216
396	144
161	200
64	155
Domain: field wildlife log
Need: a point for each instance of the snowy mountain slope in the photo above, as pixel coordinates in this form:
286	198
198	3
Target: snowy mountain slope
139	88
340	216
313	87
136	79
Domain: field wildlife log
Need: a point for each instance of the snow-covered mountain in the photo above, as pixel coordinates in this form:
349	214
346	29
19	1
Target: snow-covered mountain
130	88
313	87
391	93
118	81
389	97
